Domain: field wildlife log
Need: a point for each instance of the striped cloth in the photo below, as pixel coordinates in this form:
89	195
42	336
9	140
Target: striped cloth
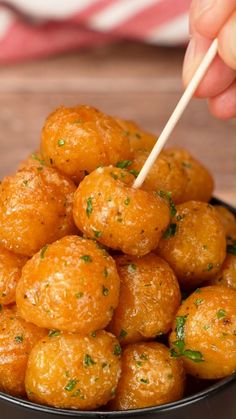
30	28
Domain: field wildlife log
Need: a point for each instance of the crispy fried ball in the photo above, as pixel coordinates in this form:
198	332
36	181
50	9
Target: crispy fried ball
149	377
229	222
10	272
204	333
71	285
149	298
166	175
227	275
107	208
138	138
17	338
194	244
200	183
72	371
35	209
77	140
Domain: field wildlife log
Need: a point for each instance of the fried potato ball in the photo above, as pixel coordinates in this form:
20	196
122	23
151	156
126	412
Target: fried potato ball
149	298
166	175
138	138
107	208
194	244
35	209
72	371
204	333
70	285
17	338
149	377
10	272
227	275
200	183
77	140
229	222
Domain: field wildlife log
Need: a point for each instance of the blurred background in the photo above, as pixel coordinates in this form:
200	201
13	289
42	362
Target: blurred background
122	56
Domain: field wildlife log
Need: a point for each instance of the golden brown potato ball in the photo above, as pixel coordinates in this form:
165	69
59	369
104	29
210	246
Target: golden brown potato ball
77	140
107	208
166	175
149	298
35	209
10	272
138	138
229	222
17	338
72	371
227	275
194	244
204	333
149	377
71	285
200	183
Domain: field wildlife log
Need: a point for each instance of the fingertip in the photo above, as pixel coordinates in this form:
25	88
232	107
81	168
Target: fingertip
227	42
223	106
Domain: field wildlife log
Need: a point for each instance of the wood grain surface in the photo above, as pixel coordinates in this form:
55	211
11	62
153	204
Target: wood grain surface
133	81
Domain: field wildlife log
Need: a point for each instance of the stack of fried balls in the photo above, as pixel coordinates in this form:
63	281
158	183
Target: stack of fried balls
110	296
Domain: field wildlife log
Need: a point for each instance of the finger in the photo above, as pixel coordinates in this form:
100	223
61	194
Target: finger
223	106
227	42
208	16
218	77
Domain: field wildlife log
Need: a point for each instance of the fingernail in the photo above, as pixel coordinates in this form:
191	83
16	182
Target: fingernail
203	6
190	53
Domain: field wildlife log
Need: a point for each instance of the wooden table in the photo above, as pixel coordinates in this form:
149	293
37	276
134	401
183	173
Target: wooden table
133	81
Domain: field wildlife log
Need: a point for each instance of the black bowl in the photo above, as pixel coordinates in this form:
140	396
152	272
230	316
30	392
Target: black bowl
217	401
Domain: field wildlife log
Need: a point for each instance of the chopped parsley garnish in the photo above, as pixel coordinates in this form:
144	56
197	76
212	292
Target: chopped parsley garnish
71	385
198	301
37	158
43	251
123	164
89	208
206	327
97	233
105	272
168	196
19	339
209	267
144	380
114	175
86	258
132	267
53	333
171	231
79	294
231	248
123	333
194	356
134	172
144	357
61	142
179	217
186	164
127	201
117	350
105	291
221	313
180	323
93	334
88	361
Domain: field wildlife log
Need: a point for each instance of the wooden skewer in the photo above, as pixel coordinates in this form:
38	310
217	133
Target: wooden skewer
176	115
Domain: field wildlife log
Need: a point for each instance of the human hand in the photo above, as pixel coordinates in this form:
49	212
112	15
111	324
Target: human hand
210	19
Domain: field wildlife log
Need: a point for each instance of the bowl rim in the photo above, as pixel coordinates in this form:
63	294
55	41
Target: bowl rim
121	413
215	388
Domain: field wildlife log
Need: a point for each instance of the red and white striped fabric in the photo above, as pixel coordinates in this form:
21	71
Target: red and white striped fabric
31	28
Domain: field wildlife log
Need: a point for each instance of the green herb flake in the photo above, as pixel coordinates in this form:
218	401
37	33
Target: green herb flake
231	248
171	231
168	196
88	361
220	314
198	291
194	356
179	217
105	272
198	301
89	208
123	334
126	133
19	339
209	267
114	176
132	267
97	234
179	344
25	182
79	295
127	201
123	164
105	291
43	251
180	323
144	357
37	158
187	165
144	380
117	350
53	333
93	334
134	172
139	364
61	142
71	385
86	258
206	327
